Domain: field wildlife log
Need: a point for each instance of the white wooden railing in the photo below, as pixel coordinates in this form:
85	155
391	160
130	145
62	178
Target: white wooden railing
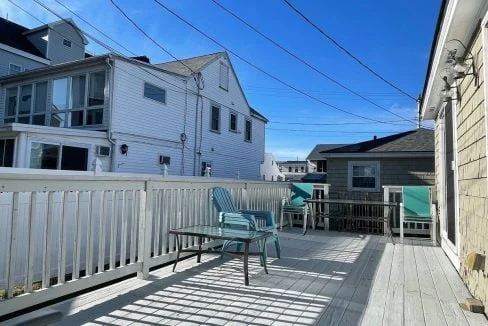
65	232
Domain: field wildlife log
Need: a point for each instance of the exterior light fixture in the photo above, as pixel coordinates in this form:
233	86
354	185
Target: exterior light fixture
124	148
446	92
461	66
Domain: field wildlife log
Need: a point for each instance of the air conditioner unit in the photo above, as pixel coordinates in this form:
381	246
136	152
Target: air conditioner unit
164	160
103	151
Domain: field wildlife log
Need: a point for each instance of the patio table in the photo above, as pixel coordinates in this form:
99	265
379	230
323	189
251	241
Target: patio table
350	217
215	232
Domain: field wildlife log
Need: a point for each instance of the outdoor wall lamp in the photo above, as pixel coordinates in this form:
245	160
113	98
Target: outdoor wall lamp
447	91
460	66
124	149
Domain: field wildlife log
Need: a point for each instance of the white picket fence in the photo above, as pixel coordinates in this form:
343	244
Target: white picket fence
65	232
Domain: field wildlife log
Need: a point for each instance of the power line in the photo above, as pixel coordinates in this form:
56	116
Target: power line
303	61
149	37
95	28
330	38
330	124
261	69
335	131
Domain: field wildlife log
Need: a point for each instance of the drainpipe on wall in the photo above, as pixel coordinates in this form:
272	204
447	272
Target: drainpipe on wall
110	110
183	135
200	85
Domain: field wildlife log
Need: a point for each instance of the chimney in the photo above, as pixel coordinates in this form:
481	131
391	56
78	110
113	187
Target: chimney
374	137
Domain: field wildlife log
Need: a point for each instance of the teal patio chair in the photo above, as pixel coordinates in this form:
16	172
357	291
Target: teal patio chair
296	204
417	207
264	220
239	221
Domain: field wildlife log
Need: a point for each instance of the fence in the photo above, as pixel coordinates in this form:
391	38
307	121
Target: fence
62	233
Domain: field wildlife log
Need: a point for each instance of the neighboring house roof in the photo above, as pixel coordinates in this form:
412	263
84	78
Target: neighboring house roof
315	153
414	141
182	67
315	177
186	67
292	162
13	35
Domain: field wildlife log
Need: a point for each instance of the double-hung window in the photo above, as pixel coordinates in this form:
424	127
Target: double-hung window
233	122
215	118
26	103
363	176
248	131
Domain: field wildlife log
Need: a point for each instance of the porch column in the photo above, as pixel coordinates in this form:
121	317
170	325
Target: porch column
20	150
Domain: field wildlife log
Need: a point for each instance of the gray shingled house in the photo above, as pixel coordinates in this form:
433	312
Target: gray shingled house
406	158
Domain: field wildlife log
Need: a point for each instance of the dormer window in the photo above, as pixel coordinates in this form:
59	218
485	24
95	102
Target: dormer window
224	76
66	43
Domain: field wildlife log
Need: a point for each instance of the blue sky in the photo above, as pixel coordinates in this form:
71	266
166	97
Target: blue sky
393	37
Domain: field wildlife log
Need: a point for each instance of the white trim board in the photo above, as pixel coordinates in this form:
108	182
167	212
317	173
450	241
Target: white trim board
24	54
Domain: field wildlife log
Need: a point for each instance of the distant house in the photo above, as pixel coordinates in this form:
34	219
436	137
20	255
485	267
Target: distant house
133	116
455	98
270	170
23	49
403	159
296	170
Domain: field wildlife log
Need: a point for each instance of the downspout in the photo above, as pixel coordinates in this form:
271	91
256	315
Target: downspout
183	135
200	85
110	110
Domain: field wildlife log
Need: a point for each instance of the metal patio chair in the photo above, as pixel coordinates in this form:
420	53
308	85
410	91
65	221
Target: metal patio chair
264	220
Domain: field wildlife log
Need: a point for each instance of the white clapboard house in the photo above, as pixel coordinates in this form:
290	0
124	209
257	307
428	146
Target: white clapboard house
126	115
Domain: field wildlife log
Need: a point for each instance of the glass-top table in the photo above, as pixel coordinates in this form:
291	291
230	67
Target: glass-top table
215	232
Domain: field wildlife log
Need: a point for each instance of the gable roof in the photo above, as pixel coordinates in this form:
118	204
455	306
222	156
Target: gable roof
51	25
414	141
196	64
315	153
13	35
258	115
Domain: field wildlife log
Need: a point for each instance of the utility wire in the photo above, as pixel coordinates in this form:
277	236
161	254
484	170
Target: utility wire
330	124
149	37
336	131
330	38
104	45
95	28
303	61
261	69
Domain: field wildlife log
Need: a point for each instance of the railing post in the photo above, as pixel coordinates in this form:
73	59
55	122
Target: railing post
145	229
386	199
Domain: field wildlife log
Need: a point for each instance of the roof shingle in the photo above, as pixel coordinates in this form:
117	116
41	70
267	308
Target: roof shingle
11	34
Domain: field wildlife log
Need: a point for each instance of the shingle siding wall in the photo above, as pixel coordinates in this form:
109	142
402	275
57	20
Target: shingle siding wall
7	57
471	149
397	171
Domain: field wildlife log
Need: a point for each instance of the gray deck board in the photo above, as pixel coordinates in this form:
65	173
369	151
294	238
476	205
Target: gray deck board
322	278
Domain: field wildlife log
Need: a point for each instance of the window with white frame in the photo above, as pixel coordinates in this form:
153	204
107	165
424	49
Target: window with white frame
233	122
155	93
363	176
224	76
14	68
78	100
248	131
215	118
66	43
26	104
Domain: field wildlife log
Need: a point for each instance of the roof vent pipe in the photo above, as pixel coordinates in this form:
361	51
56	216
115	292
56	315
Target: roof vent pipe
374	137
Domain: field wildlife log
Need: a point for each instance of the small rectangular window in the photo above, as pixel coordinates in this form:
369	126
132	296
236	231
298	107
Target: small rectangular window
224	76
14	69
11	101
66	43
25	99
215	118
248	131
363	176
233	122
155	93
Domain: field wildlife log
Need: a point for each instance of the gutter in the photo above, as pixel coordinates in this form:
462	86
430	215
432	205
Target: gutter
433	48
110	111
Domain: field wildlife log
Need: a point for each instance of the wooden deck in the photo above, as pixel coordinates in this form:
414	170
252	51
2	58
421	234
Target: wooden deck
323	278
